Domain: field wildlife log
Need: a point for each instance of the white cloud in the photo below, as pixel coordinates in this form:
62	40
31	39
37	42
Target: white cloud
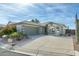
55	12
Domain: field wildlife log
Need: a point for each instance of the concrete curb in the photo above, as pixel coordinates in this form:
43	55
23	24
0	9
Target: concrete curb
29	54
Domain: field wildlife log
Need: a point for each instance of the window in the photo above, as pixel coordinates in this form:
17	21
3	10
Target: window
57	27
53	30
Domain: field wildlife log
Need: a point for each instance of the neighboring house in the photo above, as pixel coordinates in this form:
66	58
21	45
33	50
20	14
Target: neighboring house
32	28
56	28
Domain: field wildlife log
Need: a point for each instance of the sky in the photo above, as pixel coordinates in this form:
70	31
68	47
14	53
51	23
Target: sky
44	12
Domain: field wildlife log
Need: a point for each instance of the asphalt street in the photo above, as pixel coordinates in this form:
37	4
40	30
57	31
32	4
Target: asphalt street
4	52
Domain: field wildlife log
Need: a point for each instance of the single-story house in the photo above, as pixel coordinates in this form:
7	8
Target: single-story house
32	28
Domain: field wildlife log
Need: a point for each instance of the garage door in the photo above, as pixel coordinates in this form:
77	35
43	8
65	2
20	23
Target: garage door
31	30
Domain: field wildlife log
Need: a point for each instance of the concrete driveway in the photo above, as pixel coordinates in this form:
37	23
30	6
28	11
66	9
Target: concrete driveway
49	46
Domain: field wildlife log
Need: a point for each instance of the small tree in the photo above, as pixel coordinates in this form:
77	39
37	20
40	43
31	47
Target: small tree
36	20
32	20
8	29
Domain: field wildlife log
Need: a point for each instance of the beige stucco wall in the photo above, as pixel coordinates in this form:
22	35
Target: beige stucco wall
37	30
59	31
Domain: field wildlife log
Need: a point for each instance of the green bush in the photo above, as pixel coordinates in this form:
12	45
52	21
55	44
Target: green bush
1	33
16	35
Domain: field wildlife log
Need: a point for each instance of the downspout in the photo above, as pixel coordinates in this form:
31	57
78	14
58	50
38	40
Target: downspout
46	29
